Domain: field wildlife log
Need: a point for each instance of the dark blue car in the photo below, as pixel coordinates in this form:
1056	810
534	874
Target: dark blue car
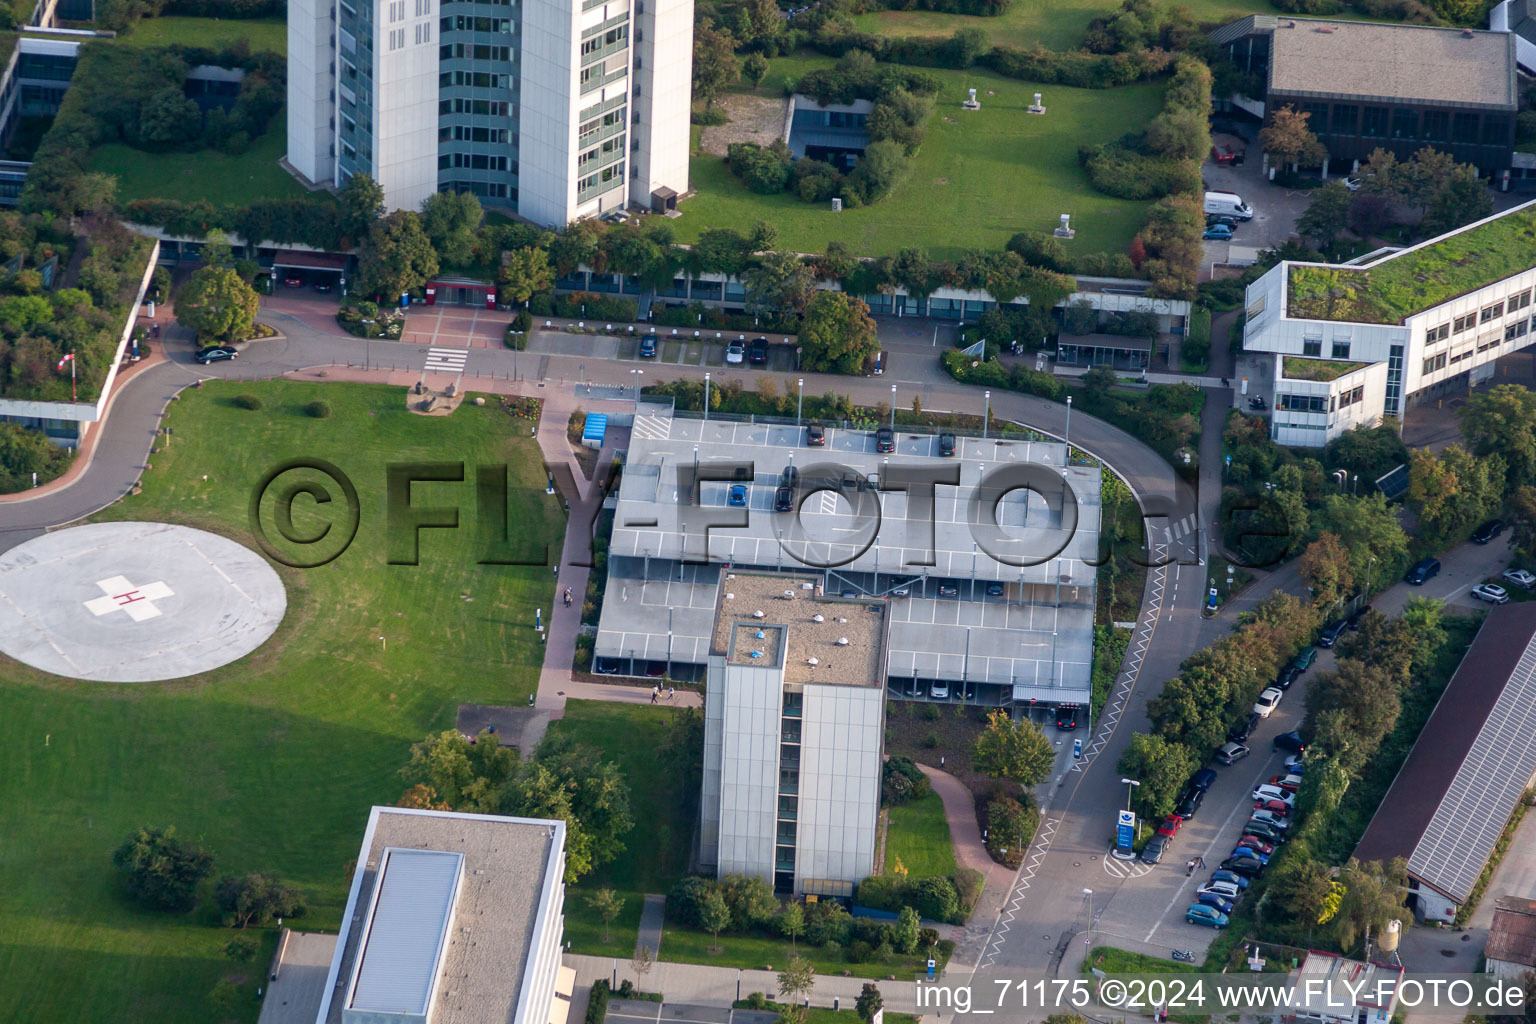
1211	899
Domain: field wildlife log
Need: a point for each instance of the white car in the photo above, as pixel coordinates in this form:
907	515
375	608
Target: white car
1490	592
940	691
1353	184
1520	578
1268	701
1269	818
1269	792
735	353
1292	762
1226	890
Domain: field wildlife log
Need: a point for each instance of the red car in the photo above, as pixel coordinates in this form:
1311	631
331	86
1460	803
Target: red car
1255	843
1279	808
1170	826
293	282
1289	783
1226	155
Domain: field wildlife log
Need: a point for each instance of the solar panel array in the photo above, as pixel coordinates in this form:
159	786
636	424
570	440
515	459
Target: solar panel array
1462	833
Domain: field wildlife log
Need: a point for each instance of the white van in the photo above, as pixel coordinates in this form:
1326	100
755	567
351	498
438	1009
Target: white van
1228	204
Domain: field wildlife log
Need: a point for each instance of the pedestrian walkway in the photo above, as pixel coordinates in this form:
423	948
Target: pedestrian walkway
652	916
446	360
720	986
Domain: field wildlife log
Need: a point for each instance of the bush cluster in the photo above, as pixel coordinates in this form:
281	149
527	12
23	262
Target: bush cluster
902	780
584	306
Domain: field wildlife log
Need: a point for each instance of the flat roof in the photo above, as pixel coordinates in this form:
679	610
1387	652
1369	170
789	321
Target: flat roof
1056	527
509	867
1465	774
1393	63
1339	972
1410	281
847	644
406	931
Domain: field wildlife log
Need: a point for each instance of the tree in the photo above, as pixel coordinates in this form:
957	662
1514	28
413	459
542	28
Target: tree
570	781
1502	420
467	776
1300	891
1366	694
360	202
1325	568
169	117
1162	767
606	904
907	931
1522	513
1369	212
1288	138
217	306
1138	252
1369	530
791	922
450	220
1373	895
714	915
525	273
1013	750
240	949
422	797
779	281
869	1003
1451	491
754	68
257	899
714	61
1461	201
396	258
217	251
837	333
641	962
161	871
1327	213
796	979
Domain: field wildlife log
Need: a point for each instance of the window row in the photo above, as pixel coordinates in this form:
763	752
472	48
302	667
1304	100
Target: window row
1518	329
1408	123
1314	347
473	79
465	23
483	189
1516	302
490	108
466	51
396	38
1352	397
600	152
471	133
475	162
608	120
602	177
612	37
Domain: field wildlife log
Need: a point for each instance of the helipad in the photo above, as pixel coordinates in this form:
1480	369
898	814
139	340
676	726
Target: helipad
135	602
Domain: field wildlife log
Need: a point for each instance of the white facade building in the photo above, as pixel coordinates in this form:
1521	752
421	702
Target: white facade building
1352	343
555	109
794	721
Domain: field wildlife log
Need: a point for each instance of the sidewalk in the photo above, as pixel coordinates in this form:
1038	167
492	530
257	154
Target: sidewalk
719	986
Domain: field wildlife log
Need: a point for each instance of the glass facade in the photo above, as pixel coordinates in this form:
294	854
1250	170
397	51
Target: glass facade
1394	398
477	99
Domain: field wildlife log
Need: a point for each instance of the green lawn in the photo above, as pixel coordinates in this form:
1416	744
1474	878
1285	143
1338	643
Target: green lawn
272	761
1055	24
215	33
980	177
755	952
221	179
656	851
918	839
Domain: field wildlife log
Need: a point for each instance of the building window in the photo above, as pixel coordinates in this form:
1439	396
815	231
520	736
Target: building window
1341	350
1434	363
1495	130
1346	118
1493	312
1352	397
1464	128
1517	329
1437	126
1464	323
1405	123
1519	301
1373	125
1302	403
1312	346
1394	379
1435	334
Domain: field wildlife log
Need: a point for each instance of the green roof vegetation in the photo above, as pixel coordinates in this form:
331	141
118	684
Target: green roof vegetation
7	46
1414	281
1302	368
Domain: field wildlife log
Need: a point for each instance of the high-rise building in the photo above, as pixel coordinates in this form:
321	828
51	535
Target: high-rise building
794	720
555	109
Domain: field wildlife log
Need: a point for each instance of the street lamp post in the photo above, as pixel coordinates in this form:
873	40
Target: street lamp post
799	399
637	374
706	398
986	417
1129	784
1088	894
893	408
1068	438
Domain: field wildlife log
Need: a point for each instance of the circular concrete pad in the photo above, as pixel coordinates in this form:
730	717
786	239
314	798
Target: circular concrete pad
135	602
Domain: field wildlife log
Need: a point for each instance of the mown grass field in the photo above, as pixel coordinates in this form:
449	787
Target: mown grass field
220	178
215	33
979	178
918	839
273	761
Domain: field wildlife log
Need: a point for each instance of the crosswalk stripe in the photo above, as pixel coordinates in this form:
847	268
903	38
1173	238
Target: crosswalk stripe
448	360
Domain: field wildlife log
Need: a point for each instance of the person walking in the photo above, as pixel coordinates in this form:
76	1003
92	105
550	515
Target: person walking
1190	870
1200	861
671	692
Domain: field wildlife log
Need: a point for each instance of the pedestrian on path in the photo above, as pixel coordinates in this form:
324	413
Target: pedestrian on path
671	692
655	693
555	570
1200	861
1191	869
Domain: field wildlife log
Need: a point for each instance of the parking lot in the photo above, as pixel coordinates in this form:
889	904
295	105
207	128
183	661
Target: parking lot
1275	208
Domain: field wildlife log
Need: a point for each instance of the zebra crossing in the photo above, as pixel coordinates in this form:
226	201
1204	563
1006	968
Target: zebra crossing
1182	527
446	360
651	427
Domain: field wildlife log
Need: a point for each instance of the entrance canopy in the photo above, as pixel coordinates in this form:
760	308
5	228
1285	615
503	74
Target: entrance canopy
296	259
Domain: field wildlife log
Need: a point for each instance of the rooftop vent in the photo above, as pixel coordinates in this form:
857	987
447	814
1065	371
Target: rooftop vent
757	615
842	641
818	617
789	594
812	661
730	597
1326	30
841	619
761	634
756	654
1467	33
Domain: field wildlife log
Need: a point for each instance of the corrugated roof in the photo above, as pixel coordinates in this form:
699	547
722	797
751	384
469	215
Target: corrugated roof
1454	793
406	931
1512	936
596	426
